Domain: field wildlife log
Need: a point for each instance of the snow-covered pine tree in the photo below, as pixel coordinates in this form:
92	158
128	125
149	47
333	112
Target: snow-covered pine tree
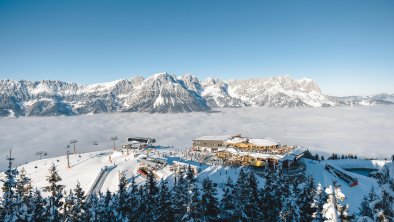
193	207
180	196
23	193
209	204
318	202
141	211
164	209
151	192
9	209
227	201
56	195
193	212
120	199
253	210
305	199
133	200
39	211
68	206
191	179
240	196
280	191
78	210
384	208
92	208
290	211
335	209
365	209
108	207
266	197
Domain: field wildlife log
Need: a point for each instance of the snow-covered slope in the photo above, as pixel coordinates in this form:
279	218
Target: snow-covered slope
354	194
164	93
86	167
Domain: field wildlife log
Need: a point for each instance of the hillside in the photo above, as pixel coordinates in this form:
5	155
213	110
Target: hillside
86	167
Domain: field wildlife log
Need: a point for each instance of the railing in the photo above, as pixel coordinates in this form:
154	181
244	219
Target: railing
99	181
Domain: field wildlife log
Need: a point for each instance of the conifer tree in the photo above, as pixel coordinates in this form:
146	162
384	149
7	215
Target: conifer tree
209	204
9	210
56	194
193	212
180	196
305	200
266	197
133	200
79	210
365	209
280	189
227	201
121	198
190	176
39	211
108	205
164	209
68	206
318	202
253	211
151	192
93	208
23	194
290	211
384	208
240	196
141	212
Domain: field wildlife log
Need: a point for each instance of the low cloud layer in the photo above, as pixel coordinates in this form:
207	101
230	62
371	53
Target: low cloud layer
365	131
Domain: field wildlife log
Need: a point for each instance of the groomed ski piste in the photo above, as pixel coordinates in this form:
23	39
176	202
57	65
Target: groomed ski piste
99	171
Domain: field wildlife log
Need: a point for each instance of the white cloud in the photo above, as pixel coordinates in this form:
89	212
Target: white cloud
366	131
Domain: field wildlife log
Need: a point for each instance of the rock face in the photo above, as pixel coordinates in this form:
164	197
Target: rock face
165	93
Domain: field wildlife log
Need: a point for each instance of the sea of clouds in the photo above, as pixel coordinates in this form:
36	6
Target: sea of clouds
365	131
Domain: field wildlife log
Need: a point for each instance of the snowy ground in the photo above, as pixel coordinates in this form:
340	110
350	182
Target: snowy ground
354	194
86	166
365	131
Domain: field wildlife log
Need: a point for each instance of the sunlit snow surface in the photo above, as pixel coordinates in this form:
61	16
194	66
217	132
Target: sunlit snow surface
365	131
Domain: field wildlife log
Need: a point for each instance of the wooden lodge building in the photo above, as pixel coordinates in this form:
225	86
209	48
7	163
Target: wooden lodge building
240	150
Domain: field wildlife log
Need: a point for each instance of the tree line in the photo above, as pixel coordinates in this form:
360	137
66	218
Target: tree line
280	199
189	198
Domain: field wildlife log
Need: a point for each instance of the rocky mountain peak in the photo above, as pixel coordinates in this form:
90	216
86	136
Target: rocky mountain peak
163	92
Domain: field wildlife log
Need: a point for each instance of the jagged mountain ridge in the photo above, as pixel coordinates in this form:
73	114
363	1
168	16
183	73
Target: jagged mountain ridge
164	93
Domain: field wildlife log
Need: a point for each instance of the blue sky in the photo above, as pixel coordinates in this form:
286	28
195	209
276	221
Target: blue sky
347	47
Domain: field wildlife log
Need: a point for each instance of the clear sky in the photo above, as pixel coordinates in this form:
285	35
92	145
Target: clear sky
346	46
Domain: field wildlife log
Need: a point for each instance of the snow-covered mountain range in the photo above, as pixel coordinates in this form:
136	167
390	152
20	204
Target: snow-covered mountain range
164	93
